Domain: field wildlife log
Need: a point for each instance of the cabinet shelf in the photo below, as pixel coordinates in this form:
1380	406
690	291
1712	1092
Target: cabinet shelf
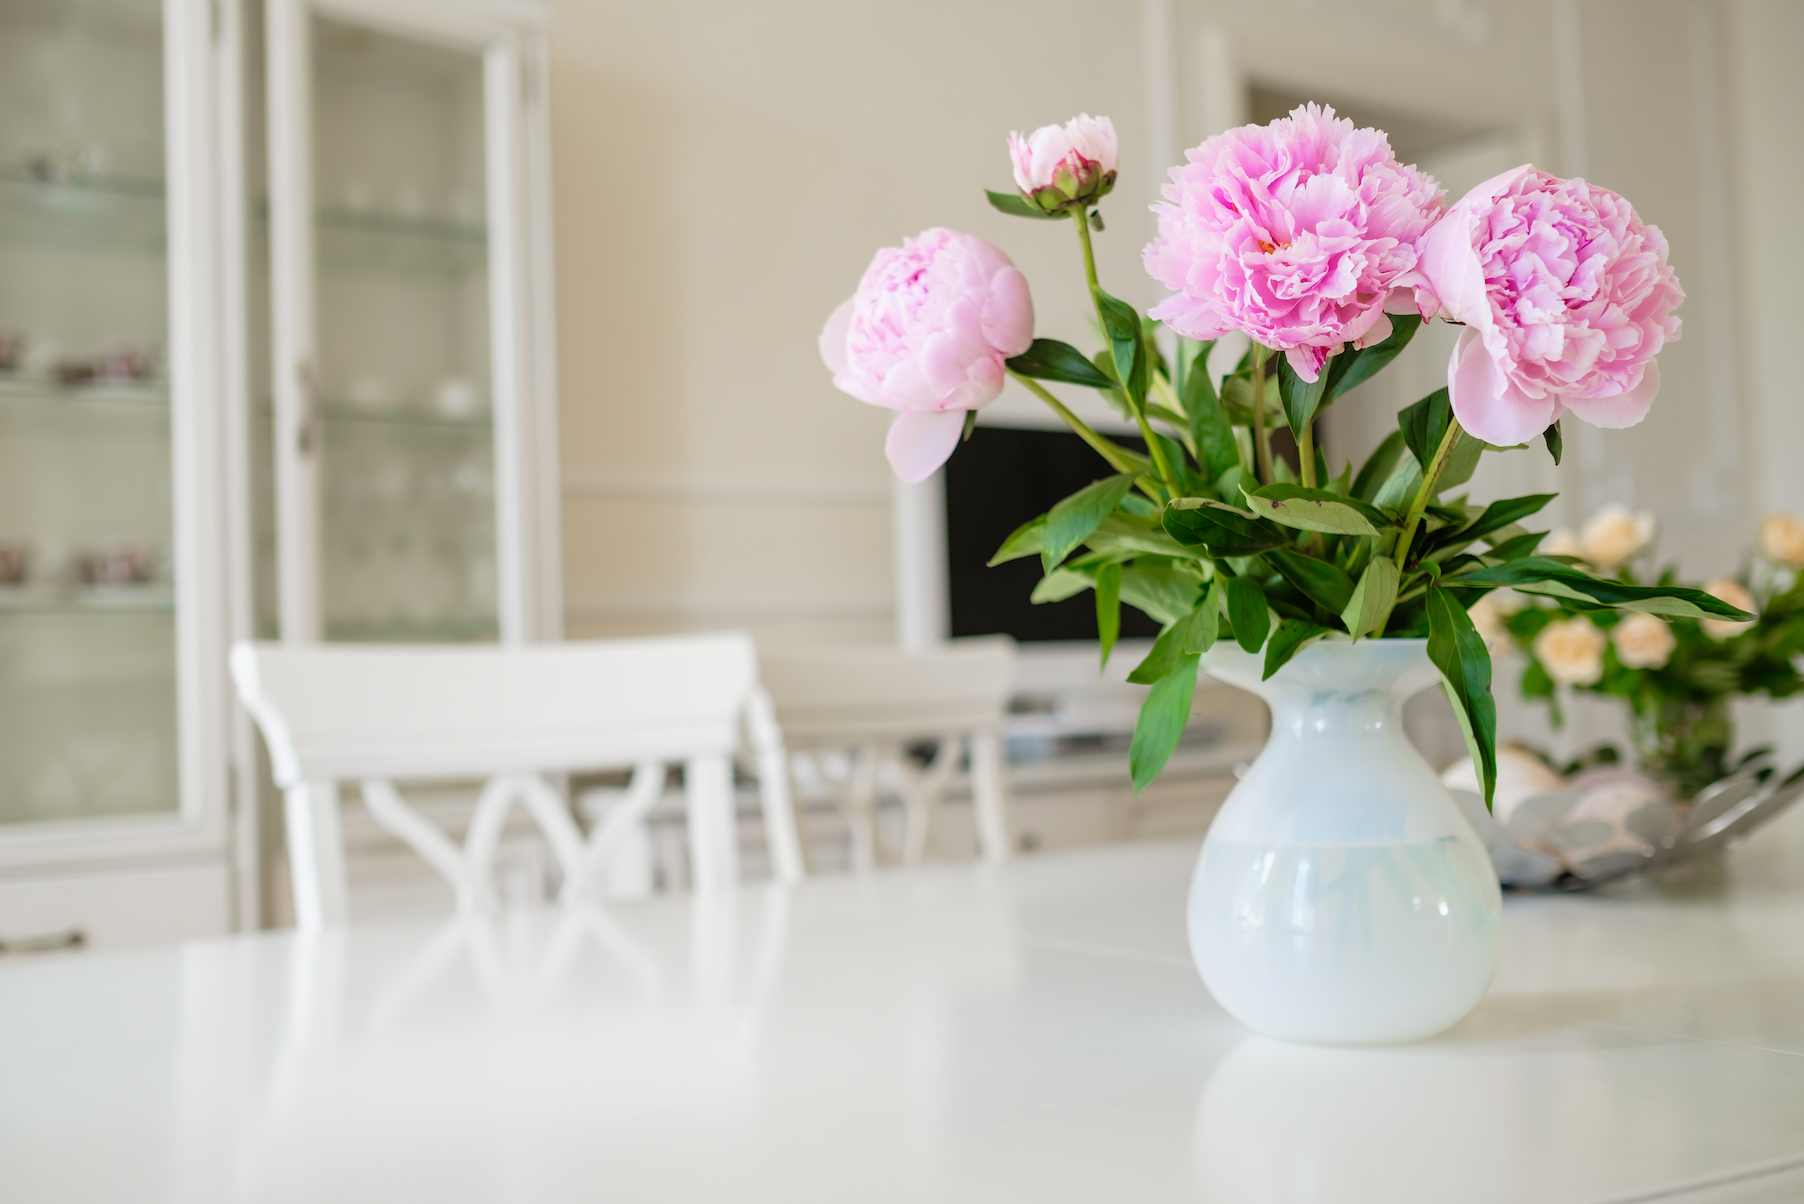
93	600
360	242
412	631
32	390
352	415
99	213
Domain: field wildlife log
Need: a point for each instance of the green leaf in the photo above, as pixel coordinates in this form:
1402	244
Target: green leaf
1461	464
1292	636
1497	516
1522	545
1058	585
1322	583
1121	323
1123	533
1070	522
1555	444
1025	541
1457	649
1315	510
1162	721
1237	399
1301	398
1361	366
1378	467
970	425
1016	205
1424	425
1372	598
1247	612
1399	489
1162	591
1049	359
1194	633
1220	529
1540	575
1108	608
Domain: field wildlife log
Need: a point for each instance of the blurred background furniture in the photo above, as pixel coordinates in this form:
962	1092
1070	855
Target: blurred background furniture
859	721
511	716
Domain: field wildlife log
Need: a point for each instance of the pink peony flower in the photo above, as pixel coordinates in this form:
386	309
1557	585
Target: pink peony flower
1057	166
1566	297
927	333
1301	233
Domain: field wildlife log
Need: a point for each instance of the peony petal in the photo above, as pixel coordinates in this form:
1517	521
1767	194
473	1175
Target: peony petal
918	444
1449	263
1624	409
833	337
1307	362
1008	316
1503	418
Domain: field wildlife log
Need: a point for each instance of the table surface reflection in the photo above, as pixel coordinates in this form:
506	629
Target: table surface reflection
1029	1032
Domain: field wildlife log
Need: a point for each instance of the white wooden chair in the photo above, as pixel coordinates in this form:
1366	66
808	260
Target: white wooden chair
511	715
862	705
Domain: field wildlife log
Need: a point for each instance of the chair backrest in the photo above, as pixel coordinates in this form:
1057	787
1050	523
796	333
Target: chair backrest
828	694
338	712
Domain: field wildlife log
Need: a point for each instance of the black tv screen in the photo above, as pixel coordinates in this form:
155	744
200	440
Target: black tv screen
995	481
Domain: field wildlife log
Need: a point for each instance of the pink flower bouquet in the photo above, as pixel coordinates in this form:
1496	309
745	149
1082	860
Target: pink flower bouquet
1308	237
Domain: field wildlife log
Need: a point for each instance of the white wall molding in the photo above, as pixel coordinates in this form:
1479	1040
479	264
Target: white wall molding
728	603
716	489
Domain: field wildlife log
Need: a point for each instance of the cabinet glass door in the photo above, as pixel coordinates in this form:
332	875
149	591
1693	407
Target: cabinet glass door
393	441
88	665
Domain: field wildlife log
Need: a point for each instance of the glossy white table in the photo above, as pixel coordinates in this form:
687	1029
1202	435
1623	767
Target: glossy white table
1035	1033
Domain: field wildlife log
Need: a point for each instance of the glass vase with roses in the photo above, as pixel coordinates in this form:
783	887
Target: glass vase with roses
1340	896
1676	677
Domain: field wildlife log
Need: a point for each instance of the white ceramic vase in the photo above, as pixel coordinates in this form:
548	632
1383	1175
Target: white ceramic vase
1341	898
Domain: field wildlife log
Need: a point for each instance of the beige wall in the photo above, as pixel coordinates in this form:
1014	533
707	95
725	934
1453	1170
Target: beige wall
724	173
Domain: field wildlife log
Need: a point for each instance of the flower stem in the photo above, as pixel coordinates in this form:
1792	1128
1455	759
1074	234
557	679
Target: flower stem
1119	458
1262	450
1306	454
1436	467
1081	217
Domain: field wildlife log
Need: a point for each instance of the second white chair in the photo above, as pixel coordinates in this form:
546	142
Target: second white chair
512	715
864	704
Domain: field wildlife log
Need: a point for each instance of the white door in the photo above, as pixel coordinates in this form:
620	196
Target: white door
414	411
113	579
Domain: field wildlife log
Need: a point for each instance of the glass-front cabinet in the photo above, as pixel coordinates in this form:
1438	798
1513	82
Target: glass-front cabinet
275	361
112	471
411	375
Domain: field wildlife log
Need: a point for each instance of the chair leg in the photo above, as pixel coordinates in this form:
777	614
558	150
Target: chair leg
781	834
921	798
989	795
861	809
713	830
316	856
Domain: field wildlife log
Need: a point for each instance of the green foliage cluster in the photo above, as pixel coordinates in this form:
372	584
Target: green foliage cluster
1215	538
1682	728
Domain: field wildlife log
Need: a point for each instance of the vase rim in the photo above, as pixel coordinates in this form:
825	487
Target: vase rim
1398	665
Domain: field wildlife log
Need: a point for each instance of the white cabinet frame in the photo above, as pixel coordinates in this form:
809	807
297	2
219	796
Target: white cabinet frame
509	37
199	446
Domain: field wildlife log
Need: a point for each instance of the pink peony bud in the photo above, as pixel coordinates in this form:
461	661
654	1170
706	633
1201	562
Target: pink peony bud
1566	297
927	333
1060	167
1301	233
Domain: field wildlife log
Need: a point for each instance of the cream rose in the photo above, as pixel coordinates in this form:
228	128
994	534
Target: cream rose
1782	539
1612	536
1643	641
1487	617
1562	542
1572	651
1727	590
